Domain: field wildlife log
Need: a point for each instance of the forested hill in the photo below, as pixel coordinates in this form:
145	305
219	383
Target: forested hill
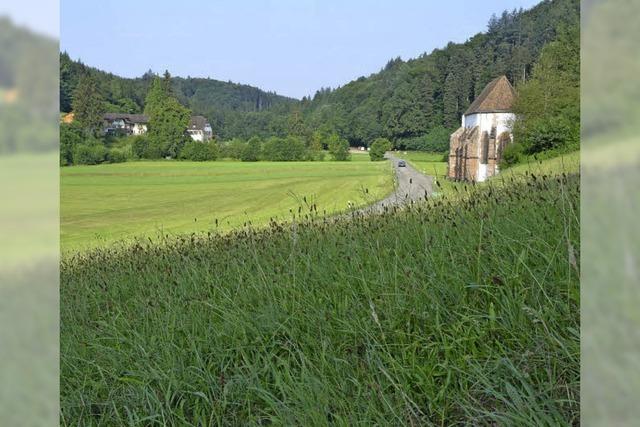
406	101
202	95
410	98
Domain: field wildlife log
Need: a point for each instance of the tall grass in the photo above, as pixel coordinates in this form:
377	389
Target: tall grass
444	313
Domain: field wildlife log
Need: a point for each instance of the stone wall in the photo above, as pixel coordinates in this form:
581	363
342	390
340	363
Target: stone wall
475	155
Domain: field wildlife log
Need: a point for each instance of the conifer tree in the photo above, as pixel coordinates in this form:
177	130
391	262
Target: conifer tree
88	105
168	121
450	102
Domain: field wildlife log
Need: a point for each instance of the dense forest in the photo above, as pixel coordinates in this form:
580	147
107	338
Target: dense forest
408	99
414	103
219	101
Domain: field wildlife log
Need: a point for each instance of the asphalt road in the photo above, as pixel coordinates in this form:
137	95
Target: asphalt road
411	186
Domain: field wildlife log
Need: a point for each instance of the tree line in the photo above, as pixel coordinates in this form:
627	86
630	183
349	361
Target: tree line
421	100
83	141
209	97
414	104
548	104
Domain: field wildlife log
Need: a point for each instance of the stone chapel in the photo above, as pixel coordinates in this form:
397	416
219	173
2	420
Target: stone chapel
475	149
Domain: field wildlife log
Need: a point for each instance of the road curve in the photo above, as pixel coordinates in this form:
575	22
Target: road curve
411	186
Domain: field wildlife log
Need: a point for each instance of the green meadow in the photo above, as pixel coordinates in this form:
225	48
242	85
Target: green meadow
433	164
106	203
459	310
451	312
567	163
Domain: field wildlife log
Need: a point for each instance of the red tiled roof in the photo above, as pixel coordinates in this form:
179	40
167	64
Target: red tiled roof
496	97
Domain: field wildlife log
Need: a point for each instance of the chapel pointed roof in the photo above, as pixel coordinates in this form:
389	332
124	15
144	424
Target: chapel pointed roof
496	97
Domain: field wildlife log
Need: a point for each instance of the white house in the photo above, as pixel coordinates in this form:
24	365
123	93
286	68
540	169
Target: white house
125	124
199	129
475	149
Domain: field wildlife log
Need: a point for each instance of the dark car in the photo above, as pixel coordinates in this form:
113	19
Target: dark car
402	164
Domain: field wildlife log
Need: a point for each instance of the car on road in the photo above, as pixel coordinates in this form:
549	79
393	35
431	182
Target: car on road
402	164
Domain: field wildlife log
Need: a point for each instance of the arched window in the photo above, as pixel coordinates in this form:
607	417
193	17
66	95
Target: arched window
503	140
484	149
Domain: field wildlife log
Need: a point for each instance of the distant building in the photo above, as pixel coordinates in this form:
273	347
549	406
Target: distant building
125	124
199	129
475	149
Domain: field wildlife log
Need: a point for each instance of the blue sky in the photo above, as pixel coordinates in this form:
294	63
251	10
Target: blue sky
292	47
41	16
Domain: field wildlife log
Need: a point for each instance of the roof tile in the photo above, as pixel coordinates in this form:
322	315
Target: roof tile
496	97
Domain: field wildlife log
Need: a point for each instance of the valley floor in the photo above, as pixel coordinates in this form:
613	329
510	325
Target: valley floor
106	203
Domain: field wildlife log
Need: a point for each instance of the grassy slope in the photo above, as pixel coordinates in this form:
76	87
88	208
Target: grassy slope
445	314
433	164
109	202
567	163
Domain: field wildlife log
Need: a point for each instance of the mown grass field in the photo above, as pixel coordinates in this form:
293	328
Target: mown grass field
449	313
104	203
428	163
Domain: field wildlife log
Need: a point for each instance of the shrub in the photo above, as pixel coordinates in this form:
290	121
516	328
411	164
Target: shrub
316	155
295	148
251	150
511	155
284	149
89	154
120	143
116	156
199	151
271	149
378	148
139	146
233	149
212	150
550	134
318	139
70	137
153	150
144	148
339	148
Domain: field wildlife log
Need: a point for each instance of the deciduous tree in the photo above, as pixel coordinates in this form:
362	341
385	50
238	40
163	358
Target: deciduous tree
339	148
379	147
